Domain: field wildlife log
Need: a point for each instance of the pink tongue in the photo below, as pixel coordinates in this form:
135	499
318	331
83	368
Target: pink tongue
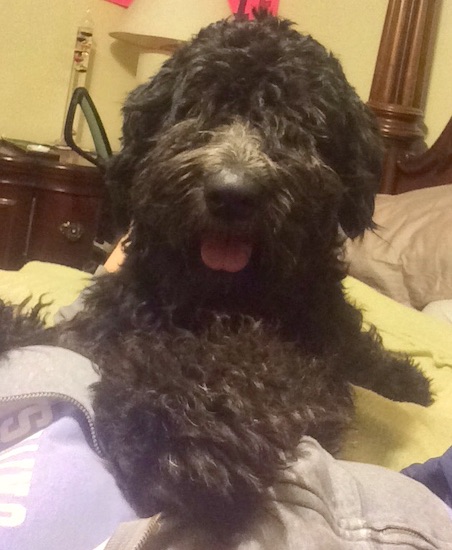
225	255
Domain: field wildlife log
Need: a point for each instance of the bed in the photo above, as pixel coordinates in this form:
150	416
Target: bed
384	432
408	256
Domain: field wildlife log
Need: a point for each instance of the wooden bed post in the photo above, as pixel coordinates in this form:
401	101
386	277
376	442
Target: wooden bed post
400	80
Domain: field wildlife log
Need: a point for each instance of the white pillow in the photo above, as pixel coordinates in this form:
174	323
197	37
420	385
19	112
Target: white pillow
442	309
409	256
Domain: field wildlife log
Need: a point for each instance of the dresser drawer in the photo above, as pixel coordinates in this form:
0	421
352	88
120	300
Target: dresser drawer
49	211
15	209
63	227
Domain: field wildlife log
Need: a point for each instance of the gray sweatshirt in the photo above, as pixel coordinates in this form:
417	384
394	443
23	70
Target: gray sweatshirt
318	503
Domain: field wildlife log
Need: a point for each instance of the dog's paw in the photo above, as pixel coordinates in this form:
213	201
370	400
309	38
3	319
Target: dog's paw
416	388
390	374
403	381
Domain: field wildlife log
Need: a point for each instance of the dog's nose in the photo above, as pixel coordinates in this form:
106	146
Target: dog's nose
231	194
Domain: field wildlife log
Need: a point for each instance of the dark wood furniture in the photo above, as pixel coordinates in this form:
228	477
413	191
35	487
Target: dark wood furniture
398	95
49	210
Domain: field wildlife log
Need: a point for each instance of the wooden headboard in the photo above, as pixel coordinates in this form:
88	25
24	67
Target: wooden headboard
398	95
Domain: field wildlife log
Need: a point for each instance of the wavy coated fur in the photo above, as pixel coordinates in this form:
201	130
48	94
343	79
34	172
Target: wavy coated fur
226	335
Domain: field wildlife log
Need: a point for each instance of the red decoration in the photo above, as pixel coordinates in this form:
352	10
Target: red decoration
123	3
244	8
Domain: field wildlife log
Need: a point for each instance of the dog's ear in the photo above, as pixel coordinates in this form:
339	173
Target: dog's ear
346	131
358	156
118	179
144	114
363	170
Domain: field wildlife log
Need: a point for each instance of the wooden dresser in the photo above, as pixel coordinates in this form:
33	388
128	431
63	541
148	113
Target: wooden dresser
49	210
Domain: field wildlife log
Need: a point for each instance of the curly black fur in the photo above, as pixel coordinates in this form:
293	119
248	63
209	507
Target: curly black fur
226	335
21	325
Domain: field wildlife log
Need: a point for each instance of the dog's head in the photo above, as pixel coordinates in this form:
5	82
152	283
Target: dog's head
248	145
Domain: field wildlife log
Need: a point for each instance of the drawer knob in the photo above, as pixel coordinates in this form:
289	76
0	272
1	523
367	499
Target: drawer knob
73	231
7	202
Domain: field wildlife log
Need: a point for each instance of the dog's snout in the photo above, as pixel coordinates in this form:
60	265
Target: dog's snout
232	194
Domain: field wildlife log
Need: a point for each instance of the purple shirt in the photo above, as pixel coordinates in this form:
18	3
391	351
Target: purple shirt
55	490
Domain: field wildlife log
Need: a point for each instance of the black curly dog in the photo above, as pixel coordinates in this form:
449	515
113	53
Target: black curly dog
226	335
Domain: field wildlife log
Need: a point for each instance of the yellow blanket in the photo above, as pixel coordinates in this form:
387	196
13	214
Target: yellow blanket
386	433
57	284
397	434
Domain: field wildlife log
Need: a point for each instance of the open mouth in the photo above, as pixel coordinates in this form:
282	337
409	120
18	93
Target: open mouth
230	254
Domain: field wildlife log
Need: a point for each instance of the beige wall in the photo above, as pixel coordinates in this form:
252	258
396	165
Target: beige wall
351	29
37	39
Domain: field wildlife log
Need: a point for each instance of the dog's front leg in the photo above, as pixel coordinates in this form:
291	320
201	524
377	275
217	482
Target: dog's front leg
201	423
392	375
